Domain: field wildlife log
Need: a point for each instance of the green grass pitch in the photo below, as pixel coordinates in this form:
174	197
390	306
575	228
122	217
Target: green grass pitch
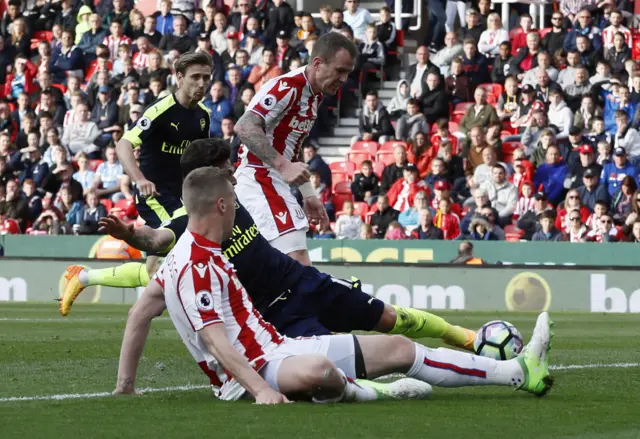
43	354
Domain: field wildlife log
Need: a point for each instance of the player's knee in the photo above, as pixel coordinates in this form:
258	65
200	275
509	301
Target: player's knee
319	372
401	349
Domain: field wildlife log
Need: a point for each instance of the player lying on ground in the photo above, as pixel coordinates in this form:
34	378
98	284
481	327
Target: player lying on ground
243	353
282	289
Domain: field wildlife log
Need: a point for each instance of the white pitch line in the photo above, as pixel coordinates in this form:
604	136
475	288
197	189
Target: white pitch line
189	387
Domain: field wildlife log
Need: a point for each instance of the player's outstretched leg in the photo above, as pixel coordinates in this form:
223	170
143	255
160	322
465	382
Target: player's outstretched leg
415	323
129	275
317	377
450	368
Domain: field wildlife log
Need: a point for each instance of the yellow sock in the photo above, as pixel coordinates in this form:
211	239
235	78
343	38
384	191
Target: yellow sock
129	275
414	323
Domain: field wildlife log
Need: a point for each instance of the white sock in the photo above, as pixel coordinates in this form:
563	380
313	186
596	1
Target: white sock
448	368
83	277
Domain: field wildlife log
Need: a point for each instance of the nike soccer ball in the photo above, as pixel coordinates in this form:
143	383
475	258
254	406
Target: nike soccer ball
499	340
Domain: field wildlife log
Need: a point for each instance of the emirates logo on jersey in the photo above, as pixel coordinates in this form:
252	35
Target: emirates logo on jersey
301	125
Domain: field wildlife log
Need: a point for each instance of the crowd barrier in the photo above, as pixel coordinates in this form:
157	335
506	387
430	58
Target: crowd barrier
425	286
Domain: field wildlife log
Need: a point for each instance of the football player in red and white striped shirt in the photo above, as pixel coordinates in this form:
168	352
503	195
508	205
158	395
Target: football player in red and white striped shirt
273	130
114	40
240	352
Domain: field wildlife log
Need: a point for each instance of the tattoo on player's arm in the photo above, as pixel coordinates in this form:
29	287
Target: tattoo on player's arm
148	240
251	131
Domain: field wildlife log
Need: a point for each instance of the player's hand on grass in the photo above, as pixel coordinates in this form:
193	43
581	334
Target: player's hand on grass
147	188
296	173
114	226
315	211
270	396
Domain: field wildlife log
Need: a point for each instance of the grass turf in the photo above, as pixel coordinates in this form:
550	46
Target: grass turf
44	354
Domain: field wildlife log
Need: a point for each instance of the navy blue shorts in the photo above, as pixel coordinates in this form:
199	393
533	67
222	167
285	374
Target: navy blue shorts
319	304
157	210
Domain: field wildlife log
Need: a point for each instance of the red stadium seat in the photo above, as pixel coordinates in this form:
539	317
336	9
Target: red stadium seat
339	199
360	208
385	157
107	203
61	87
513	233
344	187
365	146
462	107
493	89
373	209
343	167
391	144
93	164
358	157
338	177
507	150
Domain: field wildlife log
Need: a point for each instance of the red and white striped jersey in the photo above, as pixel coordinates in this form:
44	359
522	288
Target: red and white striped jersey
289	107
609	32
201	289
141	60
114	43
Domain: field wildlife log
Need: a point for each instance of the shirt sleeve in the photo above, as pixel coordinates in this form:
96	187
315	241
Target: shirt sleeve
273	98
200	291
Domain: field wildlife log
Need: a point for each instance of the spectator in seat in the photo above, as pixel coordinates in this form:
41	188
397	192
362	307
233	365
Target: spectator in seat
585	160
375	123
20	81
444	57
447	221
366	232
357	18
529	220
548	230
480	114
241	104
474	63
559	114
554	39
442	135
551	175
279	17
634	233
627	137
613	105
453	163
502	64
395	232
49	105
586	114
306	30
68	61
69	210
490	39
91	38
411	123
219	108
526	201
14	206
84	175
458	84
421	153
365	184
583	26
598	134
617	55
92	211
371	57
509	100
178	40
623	200
605	231
426	229
218	35
337	22
323	192
397	107
589	57
614	173
484	171
591	192
544	63
32	166
81	135
394	171
441	190
20	38
502	194
108	178
284	52
348	225
526	57
418	72
164	19
473	153
149	30
576	230
317	163
253	46
402	193
519	39
434	101
381	219
572	202
62	176
604	153
480	230
409	218
115	39
104	115
616	27
544	85
34	201
266	70
473	28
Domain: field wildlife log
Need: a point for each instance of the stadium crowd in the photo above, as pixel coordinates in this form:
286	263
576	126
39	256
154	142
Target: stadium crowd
492	135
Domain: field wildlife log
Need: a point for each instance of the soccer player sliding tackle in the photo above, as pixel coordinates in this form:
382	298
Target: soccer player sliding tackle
298	300
273	129
242	353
